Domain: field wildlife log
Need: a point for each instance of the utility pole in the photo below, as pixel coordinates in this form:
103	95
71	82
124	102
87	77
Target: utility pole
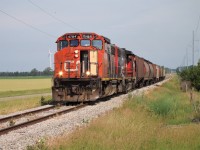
187	58
193	49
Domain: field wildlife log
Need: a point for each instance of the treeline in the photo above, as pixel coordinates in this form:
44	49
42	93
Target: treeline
168	70
34	72
191	74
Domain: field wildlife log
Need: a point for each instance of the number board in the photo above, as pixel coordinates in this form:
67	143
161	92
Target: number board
86	36
72	36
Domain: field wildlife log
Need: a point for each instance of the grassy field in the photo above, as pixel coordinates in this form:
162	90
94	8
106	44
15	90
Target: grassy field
24	86
10	106
25	77
162	119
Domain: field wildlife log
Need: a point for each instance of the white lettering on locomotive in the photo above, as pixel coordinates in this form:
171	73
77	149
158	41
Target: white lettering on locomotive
69	63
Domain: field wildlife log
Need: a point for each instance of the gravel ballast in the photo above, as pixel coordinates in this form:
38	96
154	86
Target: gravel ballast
67	123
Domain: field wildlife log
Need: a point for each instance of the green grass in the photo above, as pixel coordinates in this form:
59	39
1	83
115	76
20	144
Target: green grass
171	104
26	77
159	120
24	92
24	84
21	86
10	106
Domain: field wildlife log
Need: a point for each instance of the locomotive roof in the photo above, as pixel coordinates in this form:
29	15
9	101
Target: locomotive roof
107	39
128	52
77	33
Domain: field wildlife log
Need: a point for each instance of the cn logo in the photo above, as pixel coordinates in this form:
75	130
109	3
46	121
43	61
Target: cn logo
68	64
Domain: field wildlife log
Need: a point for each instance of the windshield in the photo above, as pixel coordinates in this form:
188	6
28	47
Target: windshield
73	43
62	44
85	42
97	44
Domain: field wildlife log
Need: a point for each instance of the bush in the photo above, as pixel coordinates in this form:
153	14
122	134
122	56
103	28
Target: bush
161	106
191	74
43	101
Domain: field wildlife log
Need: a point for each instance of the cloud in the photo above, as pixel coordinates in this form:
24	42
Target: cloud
157	30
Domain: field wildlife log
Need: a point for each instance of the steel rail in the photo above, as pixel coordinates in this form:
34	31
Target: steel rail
40	119
16	116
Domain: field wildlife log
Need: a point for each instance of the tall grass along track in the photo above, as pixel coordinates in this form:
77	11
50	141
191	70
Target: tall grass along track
39	119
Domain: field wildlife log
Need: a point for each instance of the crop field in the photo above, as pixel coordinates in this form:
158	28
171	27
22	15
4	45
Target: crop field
24	86
19	104
27	87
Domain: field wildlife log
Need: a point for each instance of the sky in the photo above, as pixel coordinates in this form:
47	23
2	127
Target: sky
158	30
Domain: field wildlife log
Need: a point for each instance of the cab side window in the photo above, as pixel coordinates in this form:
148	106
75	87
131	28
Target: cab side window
62	44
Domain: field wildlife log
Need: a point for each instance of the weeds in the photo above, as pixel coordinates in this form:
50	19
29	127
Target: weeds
45	102
161	106
85	121
168	103
40	145
11	122
196	107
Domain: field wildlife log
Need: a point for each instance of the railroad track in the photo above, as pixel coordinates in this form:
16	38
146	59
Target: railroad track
20	115
36	120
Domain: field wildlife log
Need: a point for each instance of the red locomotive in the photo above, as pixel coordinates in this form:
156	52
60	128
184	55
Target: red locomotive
88	66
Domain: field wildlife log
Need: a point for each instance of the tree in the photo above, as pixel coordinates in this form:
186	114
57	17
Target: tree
48	71
34	72
196	77
192	74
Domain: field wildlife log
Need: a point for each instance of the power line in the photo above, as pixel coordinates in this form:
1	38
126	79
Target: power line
59	20
28	25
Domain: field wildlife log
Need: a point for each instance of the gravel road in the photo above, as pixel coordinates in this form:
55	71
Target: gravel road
67	123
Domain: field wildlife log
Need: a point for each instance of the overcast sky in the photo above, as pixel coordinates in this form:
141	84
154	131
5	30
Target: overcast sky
158	30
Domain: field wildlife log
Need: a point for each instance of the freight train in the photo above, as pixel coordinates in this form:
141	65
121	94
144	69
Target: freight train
88	66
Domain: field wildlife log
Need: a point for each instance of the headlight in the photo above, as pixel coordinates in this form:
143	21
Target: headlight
76	55
60	73
76	51
87	73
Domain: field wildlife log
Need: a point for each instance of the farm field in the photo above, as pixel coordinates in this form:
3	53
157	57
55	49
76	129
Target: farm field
27	88
159	119
24	86
19	104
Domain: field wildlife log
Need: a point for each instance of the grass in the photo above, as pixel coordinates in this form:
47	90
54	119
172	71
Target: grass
24	84
160	119
21	86
25	77
24	92
169	103
10	106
